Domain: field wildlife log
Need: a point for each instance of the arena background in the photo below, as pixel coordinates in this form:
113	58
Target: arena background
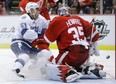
105	25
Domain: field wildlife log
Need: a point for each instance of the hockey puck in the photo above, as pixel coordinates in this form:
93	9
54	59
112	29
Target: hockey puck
107	57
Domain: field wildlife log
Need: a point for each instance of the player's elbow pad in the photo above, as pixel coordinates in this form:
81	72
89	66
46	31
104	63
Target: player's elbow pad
30	35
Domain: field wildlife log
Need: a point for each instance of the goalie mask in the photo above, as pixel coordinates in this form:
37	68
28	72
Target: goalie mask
64	10
33	9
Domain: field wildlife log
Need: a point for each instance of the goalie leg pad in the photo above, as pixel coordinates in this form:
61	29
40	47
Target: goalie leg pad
62	73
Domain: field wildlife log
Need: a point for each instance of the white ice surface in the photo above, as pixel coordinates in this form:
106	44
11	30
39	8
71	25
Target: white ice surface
33	76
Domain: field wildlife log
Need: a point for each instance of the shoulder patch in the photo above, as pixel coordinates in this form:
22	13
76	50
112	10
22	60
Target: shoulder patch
23	17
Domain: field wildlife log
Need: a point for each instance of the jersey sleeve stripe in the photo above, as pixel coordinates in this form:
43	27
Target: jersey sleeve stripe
62	57
47	40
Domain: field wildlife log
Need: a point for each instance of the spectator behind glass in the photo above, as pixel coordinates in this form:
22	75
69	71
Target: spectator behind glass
70	2
85	6
2	7
114	7
98	5
91	10
97	11
73	10
59	4
8	5
107	3
54	11
75	6
48	6
108	10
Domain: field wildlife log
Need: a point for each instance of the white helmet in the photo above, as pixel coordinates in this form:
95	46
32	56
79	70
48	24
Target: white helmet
64	10
31	5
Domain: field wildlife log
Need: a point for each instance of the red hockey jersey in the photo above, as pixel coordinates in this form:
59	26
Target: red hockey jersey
70	30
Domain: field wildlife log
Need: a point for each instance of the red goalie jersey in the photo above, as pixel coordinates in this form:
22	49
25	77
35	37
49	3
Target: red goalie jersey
42	4
70	30
72	34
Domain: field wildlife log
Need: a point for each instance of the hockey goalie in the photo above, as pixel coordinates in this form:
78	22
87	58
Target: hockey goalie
72	35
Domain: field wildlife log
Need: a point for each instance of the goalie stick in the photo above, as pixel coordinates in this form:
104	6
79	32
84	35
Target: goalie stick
92	22
94	51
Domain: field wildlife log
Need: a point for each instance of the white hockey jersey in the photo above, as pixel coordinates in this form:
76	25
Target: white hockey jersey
29	29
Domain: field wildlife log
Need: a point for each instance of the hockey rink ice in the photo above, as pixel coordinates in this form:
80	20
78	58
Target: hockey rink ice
33	76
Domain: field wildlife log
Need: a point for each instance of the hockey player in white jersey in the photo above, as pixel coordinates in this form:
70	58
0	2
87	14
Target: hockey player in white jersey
31	25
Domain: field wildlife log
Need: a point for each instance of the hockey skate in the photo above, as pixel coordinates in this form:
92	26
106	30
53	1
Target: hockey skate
17	71
94	71
72	75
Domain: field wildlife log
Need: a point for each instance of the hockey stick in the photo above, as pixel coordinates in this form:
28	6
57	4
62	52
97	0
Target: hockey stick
92	22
